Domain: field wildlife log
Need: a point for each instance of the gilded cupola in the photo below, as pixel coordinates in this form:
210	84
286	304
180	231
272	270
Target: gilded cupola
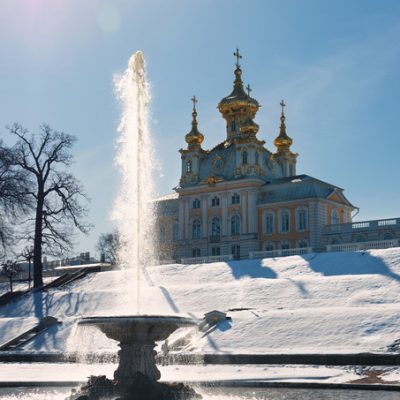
283	141
194	137
283	156
239	109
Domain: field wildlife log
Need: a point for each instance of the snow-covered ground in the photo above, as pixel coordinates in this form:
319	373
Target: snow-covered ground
327	303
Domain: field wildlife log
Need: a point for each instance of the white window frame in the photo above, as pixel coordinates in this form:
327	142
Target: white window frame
299	210
237	231
266	214
281	213
196	234
335	216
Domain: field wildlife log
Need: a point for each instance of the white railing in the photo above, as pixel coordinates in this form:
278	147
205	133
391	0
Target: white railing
363	225
207	259
377	244
280	252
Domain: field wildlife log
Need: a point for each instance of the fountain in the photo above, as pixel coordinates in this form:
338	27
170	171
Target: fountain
137	374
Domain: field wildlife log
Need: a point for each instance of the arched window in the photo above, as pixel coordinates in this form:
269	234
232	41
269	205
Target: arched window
235	199
215	227
244	158
189	166
215	202
269	223
388	236
335	217
233	126
302	244
196	229
284	221
301	219
269	246
257	156
235	225
196	203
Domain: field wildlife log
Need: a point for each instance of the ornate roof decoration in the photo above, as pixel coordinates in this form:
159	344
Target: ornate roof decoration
194	137
283	141
238	97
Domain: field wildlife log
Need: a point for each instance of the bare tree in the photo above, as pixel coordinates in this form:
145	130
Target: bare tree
57	195
14	202
10	270
108	245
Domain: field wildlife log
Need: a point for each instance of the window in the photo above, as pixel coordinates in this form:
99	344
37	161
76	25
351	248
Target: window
235	225
257	156
215	227
235	199
269	223
387	236
216	251
196	252
285	245
189	166
244	158
335	217
196	203
215	202
196	229
284	221
269	246
175	232
302	244
302	219
236	251
233	126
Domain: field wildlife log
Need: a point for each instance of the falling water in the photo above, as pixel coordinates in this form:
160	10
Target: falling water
133	209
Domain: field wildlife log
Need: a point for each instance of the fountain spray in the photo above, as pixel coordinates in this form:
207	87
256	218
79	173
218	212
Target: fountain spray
133	210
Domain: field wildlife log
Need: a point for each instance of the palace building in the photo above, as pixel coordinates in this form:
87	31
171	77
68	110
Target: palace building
239	197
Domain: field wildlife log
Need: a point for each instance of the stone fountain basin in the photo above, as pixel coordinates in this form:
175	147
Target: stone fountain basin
140	328
137	336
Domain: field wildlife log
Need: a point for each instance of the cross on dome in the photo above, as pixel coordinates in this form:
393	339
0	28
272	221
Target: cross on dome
283	105
194	100
249	89
238	57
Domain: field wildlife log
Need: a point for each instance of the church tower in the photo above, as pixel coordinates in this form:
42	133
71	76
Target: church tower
283	156
192	155
239	110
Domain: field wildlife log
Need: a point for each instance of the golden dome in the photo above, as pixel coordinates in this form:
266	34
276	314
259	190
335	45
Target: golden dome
194	136
283	141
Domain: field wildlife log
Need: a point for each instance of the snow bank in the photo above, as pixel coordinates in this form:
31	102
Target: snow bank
327	302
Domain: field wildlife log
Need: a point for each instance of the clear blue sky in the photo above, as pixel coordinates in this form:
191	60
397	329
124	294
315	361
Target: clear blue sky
336	64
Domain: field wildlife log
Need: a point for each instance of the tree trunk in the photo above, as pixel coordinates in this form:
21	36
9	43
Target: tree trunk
37	245
11	283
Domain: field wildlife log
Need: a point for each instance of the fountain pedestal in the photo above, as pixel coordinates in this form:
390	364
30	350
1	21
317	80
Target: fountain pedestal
137	337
